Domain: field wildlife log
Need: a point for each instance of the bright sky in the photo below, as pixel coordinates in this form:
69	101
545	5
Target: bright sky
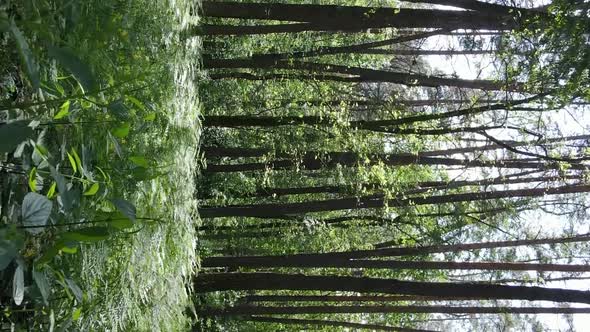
466	67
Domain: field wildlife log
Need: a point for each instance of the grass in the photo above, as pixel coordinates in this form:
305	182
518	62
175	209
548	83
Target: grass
137	278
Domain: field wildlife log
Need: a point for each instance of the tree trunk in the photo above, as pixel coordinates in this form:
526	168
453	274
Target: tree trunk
325	309
318	322
331	262
334	17
331	50
477	5
316	161
420	186
425	52
342	298
270	210
275	281
364	74
245	30
270	121
415	251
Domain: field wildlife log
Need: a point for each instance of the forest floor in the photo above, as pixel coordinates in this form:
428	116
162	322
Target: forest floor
108	90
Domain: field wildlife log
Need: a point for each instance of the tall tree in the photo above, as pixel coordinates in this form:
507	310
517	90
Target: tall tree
274	281
377	201
318	322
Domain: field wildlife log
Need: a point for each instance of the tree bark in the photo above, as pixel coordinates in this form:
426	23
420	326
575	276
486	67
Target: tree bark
342	298
417	251
325	309
420	186
275	281
245	30
331	262
270	210
380	51
315	161
327	50
364	74
318	322
334	17
269	121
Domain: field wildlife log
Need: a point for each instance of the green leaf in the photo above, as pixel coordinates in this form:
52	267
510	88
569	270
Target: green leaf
76	314
78	160
71	248
14	133
18	285
121	223
35	212
33	179
29	62
136	102
64	110
118	109
92	190
74	65
122	131
51	191
117	220
75	289
72	163
150	117
88	234
126	208
139	161
42	283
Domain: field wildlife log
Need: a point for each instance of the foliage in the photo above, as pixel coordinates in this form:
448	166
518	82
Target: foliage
91	108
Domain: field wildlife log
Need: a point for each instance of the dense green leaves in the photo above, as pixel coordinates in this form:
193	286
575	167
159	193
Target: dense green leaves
122	130
26	55
71	62
64	110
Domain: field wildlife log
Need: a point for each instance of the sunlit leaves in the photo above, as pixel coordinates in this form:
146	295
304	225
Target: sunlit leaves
73	163
92	190
51	191
121	131
76	314
78	160
33	179
150	117
64	110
